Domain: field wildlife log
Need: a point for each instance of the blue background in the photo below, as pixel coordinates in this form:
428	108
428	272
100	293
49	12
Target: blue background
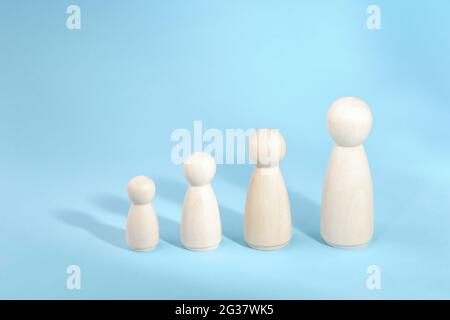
83	111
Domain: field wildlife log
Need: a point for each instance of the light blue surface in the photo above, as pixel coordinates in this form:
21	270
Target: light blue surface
83	111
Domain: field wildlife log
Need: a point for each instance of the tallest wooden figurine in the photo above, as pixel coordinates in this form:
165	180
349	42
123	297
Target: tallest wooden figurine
347	200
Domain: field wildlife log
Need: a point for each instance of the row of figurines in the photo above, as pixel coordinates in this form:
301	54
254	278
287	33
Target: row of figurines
347	200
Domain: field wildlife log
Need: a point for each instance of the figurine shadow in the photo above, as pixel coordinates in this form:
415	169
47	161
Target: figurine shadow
238	174
84	221
170	190
112	203
233	225
232	221
305	212
168	229
306	216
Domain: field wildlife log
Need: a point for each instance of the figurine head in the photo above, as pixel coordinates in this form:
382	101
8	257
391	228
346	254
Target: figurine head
349	121
141	190
199	168
267	147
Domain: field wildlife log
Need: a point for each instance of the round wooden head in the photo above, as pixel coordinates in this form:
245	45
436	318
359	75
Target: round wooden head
349	121
267	147
141	190
199	168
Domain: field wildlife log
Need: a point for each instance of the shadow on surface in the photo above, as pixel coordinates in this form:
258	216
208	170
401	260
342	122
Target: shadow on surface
82	220
173	191
170	190
112	203
305	213
239	175
232	225
169	231
306	216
